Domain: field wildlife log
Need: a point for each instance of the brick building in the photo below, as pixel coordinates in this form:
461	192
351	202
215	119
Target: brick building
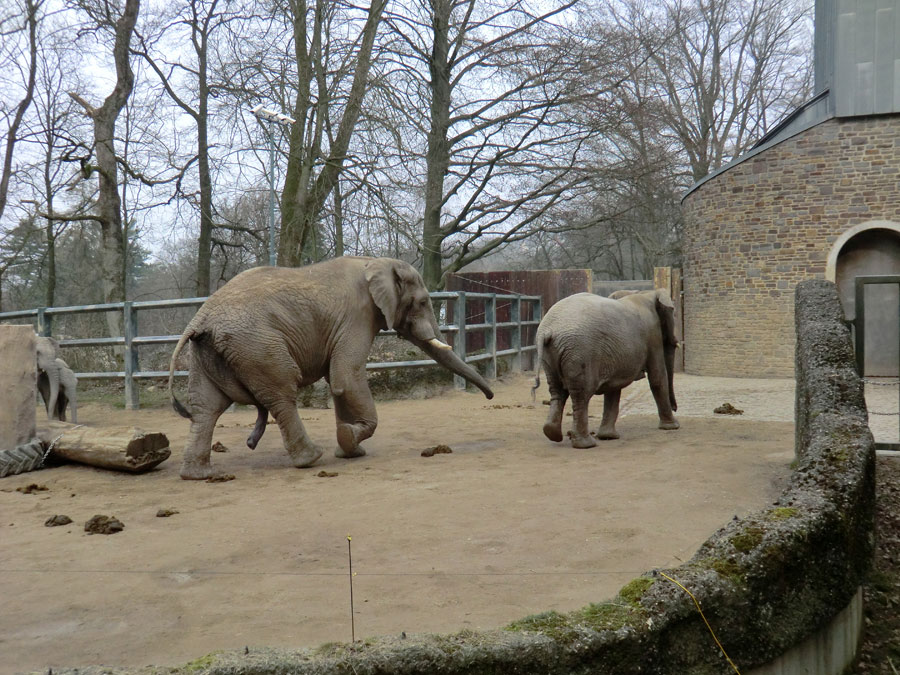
819	197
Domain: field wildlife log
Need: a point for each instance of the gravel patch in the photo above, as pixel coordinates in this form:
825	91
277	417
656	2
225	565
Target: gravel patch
764	400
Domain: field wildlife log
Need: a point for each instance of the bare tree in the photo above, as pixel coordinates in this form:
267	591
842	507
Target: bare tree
12	23
109	204
727	69
53	132
312	169
187	83
499	150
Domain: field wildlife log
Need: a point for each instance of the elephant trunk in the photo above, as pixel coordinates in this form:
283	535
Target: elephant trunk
447	358
53	378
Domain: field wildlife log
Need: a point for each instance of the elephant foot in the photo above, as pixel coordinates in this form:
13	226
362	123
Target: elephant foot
358	451
583	441
553	432
606	434
348	445
196	472
670	426
306	457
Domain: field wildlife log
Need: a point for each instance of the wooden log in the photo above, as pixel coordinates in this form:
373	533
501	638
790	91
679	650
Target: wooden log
119	448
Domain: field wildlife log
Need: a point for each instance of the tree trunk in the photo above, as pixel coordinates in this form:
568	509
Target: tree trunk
437	158
304	195
50	296
109	204
31	21
204	241
338	220
118	448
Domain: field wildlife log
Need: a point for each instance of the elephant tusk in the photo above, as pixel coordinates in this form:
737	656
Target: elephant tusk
437	344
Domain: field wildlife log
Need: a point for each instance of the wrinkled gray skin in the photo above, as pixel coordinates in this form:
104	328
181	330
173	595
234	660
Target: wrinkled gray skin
55	380
270	331
588	344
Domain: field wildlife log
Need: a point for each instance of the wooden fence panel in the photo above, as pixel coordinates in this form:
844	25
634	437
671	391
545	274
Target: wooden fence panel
551	285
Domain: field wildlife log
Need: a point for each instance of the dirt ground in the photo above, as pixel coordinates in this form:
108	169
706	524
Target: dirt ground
508	524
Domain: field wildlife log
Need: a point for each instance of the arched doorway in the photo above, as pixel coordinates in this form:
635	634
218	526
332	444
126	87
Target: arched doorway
868	250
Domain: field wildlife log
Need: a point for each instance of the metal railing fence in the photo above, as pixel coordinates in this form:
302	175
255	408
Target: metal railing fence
131	342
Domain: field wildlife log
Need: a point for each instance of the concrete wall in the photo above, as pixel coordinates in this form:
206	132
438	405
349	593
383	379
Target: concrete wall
18	386
779	587
755	230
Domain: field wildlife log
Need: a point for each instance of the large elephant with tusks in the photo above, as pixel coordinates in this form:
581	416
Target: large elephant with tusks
271	330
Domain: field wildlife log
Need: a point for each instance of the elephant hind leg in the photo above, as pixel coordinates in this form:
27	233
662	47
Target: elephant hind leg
208	402
302	450
581	437
558	397
607	430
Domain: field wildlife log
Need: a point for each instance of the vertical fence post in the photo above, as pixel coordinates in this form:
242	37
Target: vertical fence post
490	316
515	316
132	396
536	315
44	327
459	343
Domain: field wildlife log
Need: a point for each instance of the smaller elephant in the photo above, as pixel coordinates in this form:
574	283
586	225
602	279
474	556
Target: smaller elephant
56	382
588	344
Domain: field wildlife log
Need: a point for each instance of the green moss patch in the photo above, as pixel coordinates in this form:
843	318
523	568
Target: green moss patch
634	590
783	513
748	540
552	624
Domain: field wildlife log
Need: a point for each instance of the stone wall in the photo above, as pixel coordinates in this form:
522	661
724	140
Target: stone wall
768	222
778	587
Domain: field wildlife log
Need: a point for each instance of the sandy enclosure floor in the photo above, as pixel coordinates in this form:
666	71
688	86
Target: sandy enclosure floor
507	525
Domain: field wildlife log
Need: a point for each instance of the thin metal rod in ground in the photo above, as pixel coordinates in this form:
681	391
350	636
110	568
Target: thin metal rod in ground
350	560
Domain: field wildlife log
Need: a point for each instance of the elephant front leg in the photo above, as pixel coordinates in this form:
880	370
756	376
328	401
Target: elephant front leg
356	419
659	386
581	437
607	430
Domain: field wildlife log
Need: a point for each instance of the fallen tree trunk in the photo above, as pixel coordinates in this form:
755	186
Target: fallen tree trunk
119	448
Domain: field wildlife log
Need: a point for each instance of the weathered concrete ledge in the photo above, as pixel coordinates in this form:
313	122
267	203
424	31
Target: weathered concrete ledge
766	583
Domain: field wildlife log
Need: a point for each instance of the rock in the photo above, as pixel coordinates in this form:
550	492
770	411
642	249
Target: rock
437	450
327	474
727	409
218	447
220	478
55	521
31	488
165	513
103	525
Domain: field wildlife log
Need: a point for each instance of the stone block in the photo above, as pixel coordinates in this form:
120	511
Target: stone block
18	384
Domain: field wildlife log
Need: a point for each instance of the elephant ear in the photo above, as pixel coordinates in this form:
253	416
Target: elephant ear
665	308
389	282
383	288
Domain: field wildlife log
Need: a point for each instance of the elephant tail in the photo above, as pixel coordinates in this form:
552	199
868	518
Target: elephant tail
179	408
540	341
